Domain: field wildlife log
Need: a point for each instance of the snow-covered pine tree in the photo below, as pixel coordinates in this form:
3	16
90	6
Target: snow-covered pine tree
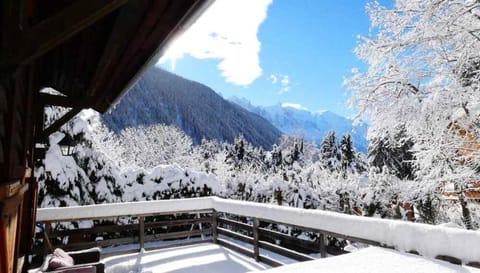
329	153
394	153
347	154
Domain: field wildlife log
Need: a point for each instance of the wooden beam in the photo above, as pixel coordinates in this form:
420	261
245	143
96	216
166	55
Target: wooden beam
55	30
126	24
59	122
54	100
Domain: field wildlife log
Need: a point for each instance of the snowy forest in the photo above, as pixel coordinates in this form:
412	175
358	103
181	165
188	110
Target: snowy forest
419	90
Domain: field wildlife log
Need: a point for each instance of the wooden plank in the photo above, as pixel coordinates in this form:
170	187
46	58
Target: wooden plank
234	223
235	235
271	262
178	222
285	252
9	220
235	247
176	235
95	230
186	243
300	244
333	234
55	30
100	243
127	227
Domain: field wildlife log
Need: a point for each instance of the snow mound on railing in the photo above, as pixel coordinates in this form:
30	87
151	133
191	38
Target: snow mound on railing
428	240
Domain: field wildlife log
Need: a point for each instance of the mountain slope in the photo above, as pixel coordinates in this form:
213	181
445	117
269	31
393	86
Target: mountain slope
313	126
163	97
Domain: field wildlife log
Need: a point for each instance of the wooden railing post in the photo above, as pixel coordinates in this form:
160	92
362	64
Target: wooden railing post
141	229
214	226
256	250
321	241
47	245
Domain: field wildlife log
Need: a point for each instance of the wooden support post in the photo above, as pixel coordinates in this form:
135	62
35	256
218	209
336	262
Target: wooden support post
59	122
321	241
256	250
214	227
141	230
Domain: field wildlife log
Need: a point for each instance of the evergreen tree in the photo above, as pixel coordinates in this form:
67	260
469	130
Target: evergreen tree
276	156
347	152
329	153
394	154
240	147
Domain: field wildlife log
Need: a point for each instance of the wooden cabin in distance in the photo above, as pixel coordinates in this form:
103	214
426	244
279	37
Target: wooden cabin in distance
91	51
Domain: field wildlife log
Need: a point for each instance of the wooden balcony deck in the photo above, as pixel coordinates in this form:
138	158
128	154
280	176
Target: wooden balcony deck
244	227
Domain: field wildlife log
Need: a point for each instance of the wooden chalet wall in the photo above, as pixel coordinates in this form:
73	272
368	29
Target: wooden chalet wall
89	50
17	187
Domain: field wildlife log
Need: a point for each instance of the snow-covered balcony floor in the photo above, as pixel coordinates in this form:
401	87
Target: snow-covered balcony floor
206	257
212	258
374	260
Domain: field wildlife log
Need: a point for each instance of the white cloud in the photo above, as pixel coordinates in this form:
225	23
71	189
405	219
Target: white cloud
226	31
294	105
283	80
285	84
273	78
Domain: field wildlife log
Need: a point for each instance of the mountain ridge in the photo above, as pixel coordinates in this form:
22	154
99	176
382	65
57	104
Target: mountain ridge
163	97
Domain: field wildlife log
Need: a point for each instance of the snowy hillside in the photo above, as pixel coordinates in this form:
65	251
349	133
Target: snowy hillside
312	125
162	97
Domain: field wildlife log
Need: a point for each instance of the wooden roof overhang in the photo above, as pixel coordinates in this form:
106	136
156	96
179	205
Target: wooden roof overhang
91	51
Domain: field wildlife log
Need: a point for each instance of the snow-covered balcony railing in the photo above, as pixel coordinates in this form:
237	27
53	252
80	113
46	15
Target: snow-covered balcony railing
209	216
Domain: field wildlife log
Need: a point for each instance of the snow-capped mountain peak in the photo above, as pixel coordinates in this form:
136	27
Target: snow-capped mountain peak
293	119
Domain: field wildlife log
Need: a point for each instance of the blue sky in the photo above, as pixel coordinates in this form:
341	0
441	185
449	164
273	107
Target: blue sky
270	52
